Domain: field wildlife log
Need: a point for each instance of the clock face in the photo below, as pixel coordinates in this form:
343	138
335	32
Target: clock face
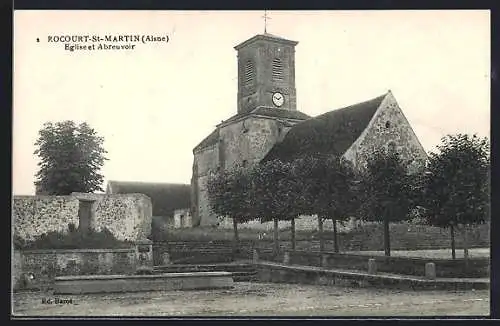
278	99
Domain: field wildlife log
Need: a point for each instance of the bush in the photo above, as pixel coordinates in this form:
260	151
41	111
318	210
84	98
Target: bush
74	240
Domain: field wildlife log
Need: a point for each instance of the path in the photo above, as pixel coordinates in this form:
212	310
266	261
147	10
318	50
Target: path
264	299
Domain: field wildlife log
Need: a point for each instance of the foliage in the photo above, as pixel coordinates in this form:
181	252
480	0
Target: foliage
103	239
230	193
332	187
70	158
456	184
278	191
386	191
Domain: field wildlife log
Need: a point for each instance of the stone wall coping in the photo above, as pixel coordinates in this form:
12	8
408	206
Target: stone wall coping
382	257
84	195
41	197
74	251
356	274
147	276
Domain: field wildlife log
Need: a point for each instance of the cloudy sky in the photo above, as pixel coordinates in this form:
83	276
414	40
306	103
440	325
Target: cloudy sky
155	103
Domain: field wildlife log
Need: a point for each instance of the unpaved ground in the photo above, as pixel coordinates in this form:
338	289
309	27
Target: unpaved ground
261	299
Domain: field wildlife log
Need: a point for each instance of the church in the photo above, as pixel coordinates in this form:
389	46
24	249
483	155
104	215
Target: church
267	124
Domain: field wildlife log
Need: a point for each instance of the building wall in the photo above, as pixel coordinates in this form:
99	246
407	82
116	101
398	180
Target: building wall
259	92
246	140
128	216
205	160
182	218
249	139
378	136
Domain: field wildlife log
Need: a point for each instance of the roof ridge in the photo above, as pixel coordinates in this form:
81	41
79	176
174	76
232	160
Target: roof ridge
380	97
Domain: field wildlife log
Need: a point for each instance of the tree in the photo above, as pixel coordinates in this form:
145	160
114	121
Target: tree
342	198
230	193
71	157
456	185
386	191
276	192
330	185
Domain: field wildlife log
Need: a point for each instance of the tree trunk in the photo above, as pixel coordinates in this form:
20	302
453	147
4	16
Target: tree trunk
293	233
387	239
466	249
452	232
335	238
276	240
235	228
236	238
320	234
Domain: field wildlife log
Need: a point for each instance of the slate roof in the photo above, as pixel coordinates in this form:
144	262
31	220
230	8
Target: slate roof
267	37
268	112
271	112
165	197
330	133
209	140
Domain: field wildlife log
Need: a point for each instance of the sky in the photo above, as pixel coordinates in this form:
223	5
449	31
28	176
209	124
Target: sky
155	103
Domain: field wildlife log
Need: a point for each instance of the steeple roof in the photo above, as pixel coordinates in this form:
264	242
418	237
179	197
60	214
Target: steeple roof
266	37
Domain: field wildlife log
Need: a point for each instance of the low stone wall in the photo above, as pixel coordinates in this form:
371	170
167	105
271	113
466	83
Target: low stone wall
279	273
45	265
477	267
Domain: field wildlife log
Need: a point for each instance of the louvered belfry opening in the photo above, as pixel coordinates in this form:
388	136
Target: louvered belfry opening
249	72
278	73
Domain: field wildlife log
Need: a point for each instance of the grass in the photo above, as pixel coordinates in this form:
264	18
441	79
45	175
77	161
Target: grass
202	233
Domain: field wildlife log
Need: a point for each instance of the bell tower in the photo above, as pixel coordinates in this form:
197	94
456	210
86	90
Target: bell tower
266	73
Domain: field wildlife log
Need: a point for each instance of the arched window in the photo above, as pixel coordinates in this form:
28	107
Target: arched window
278	70
249	73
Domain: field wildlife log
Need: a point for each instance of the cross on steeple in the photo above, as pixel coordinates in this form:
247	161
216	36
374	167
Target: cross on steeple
266	17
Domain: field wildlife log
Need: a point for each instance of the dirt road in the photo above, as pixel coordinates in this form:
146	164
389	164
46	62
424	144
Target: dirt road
259	299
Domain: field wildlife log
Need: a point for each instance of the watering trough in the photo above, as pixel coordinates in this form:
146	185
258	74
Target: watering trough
135	283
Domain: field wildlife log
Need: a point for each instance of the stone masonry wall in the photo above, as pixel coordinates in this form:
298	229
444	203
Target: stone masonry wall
47	264
34	215
248	140
205	161
389	125
127	216
240	141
